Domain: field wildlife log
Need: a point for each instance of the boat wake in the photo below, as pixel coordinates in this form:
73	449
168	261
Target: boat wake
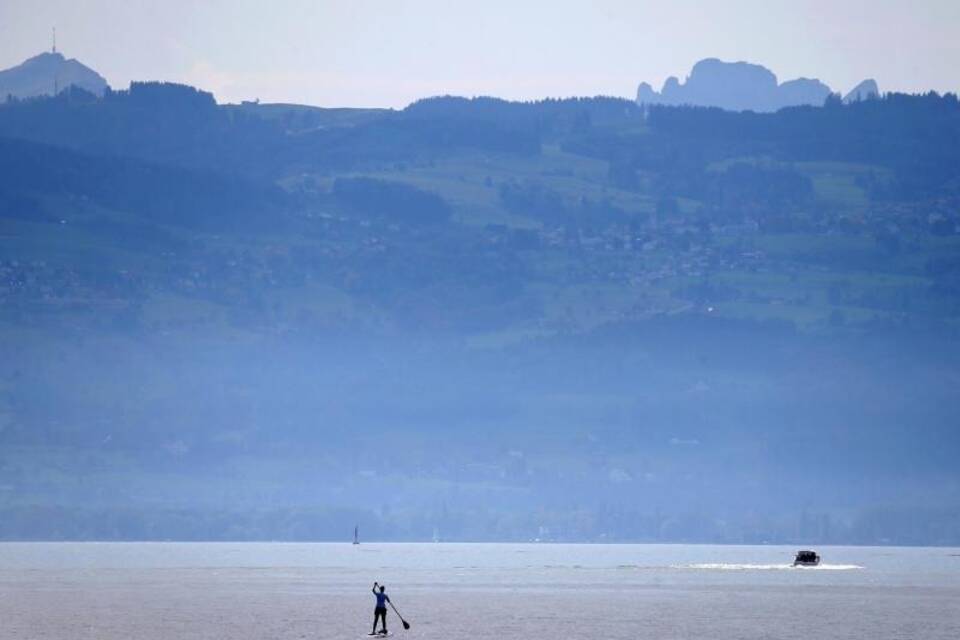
724	566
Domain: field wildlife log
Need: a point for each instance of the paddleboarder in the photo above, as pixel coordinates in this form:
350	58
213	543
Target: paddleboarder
380	613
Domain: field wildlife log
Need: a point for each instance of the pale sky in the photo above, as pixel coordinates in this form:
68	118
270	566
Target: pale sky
389	53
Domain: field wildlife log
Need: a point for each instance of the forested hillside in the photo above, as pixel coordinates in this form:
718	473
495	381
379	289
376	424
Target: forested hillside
469	298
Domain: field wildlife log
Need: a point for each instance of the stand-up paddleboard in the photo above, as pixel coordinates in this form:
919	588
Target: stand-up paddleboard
379	635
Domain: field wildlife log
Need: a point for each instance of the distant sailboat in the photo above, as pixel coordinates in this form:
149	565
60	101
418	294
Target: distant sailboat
436	535
356	534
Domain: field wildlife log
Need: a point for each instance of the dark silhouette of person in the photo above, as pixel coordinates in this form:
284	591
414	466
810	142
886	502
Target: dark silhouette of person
380	613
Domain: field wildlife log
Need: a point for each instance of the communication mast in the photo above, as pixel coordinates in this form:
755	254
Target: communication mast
56	80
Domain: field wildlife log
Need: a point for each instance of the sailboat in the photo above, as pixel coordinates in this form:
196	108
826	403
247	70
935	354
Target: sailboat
356	534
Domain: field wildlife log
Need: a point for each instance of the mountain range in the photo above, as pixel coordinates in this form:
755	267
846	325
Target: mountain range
734	86
742	86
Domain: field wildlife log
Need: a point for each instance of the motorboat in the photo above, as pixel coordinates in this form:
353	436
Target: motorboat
806	558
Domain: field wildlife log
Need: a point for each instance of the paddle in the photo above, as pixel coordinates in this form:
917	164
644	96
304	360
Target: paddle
406	625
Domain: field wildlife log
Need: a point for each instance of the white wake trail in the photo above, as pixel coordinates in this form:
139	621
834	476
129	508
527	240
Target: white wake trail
726	566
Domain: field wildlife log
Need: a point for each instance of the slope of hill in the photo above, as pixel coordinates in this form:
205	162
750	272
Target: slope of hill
580	311
156	193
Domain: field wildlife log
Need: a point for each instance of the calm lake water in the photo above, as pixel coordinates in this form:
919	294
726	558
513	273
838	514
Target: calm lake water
147	591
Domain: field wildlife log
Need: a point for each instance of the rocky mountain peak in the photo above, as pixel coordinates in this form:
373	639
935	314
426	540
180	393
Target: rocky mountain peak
736	86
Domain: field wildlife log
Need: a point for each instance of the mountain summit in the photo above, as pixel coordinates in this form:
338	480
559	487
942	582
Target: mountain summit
864	91
735	86
47	73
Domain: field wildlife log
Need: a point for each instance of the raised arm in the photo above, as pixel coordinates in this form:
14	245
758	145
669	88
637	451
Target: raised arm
374	590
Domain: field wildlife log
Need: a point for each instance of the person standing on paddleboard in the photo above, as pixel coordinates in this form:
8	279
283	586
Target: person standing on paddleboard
380	613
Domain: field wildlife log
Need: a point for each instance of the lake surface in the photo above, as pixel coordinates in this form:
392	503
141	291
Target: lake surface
145	591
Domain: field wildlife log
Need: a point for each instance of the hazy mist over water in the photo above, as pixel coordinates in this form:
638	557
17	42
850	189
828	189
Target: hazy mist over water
682	437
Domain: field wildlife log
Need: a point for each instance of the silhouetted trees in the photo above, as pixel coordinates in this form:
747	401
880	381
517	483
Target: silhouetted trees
391	200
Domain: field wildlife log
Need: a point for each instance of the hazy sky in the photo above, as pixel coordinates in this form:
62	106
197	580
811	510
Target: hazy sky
388	53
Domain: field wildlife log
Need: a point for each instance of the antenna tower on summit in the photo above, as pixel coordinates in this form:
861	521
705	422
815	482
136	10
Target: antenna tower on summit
56	80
